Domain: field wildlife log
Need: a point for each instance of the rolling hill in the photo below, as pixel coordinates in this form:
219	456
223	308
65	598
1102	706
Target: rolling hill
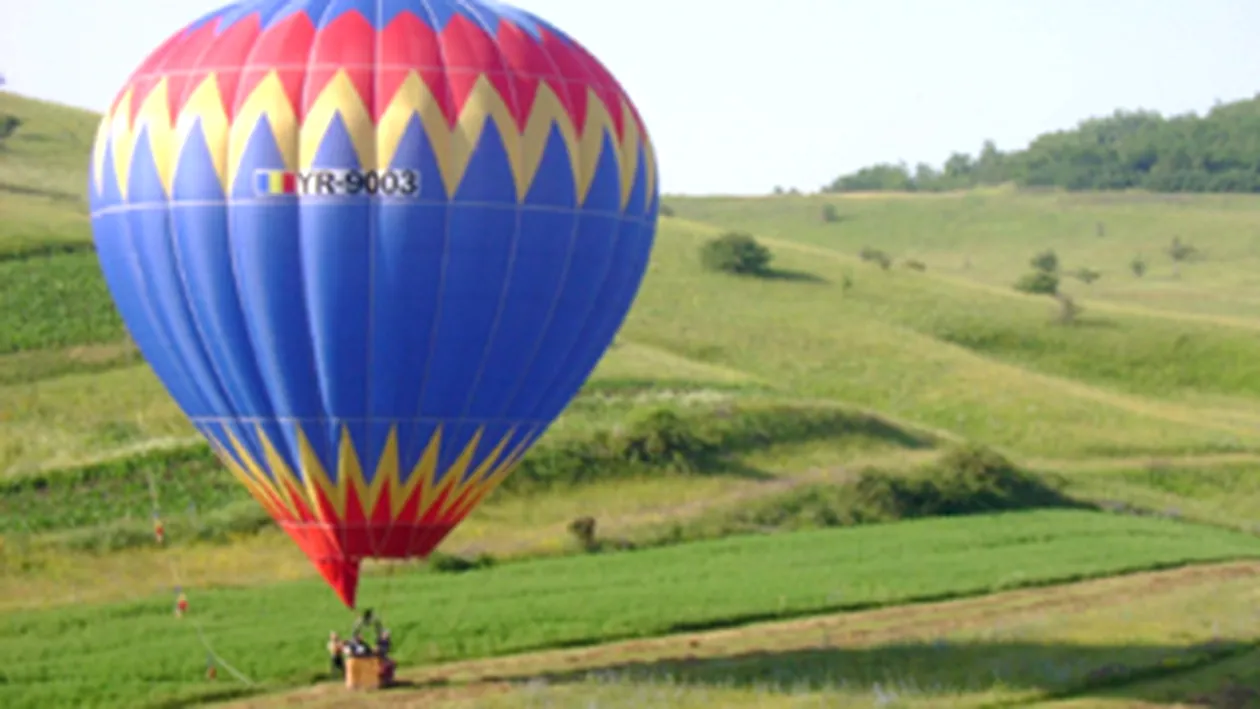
831	393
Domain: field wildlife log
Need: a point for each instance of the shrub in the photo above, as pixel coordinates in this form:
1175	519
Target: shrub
1179	251
876	256
451	564
830	214
583	531
1038	283
915	265
1046	262
1086	275
1069	311
8	125
1138	266
736	252
666	210
965	480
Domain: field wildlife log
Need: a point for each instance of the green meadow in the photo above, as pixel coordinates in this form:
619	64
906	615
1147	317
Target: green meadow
830	435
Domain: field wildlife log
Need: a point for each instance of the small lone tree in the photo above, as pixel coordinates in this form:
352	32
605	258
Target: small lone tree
736	252
1038	283
666	210
1046	262
1069	311
869	255
830	214
1086	275
583	531
8	126
1138	266
1179	251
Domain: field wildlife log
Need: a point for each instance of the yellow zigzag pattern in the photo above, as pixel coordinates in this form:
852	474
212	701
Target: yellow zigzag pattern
460	495
375	144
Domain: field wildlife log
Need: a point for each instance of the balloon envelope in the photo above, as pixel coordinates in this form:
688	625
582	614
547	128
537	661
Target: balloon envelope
372	358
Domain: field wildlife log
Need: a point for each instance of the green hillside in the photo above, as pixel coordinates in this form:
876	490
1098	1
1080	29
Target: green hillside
43	176
829	391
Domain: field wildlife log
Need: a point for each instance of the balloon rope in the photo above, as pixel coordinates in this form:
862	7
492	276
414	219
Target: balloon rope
179	584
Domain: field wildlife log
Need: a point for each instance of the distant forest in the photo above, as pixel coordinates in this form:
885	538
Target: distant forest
1216	152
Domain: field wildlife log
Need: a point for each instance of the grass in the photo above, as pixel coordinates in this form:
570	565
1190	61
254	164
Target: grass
1227	495
1131	404
43	177
1181	636
685	441
811	340
989	235
59	421
55	301
270	634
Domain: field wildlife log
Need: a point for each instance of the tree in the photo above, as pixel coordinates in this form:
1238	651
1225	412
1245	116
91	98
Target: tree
1212	152
1038	283
875	256
1046	261
1069	311
1179	251
8	126
1138	266
1086	275
830	213
736	252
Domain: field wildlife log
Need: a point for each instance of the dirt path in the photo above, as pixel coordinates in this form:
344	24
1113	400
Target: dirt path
470	679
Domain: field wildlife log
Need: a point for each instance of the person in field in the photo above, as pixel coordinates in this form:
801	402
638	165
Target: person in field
336	654
388	666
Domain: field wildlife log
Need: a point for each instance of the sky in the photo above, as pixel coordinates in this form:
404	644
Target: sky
741	96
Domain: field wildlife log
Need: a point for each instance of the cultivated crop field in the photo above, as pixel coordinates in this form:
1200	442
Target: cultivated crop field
266	632
994	497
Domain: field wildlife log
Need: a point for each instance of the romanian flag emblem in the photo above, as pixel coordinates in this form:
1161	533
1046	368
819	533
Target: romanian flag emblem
273	182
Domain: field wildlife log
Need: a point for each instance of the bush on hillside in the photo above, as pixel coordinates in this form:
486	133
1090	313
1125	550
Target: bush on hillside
666	210
1180	251
1069	311
1046	262
738	253
451	564
1138	266
965	480
830	214
583	531
1038	283
1086	275
8	126
875	256
915	265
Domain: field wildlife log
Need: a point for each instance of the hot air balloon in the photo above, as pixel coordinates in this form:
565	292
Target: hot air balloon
372	248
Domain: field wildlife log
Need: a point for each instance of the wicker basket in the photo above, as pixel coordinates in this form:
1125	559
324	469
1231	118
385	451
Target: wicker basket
363	673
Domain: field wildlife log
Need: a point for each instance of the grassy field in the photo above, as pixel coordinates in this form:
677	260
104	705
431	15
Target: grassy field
272	634
1138	640
1145	639
811	382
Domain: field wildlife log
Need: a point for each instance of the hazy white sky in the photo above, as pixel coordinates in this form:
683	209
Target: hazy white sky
744	95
